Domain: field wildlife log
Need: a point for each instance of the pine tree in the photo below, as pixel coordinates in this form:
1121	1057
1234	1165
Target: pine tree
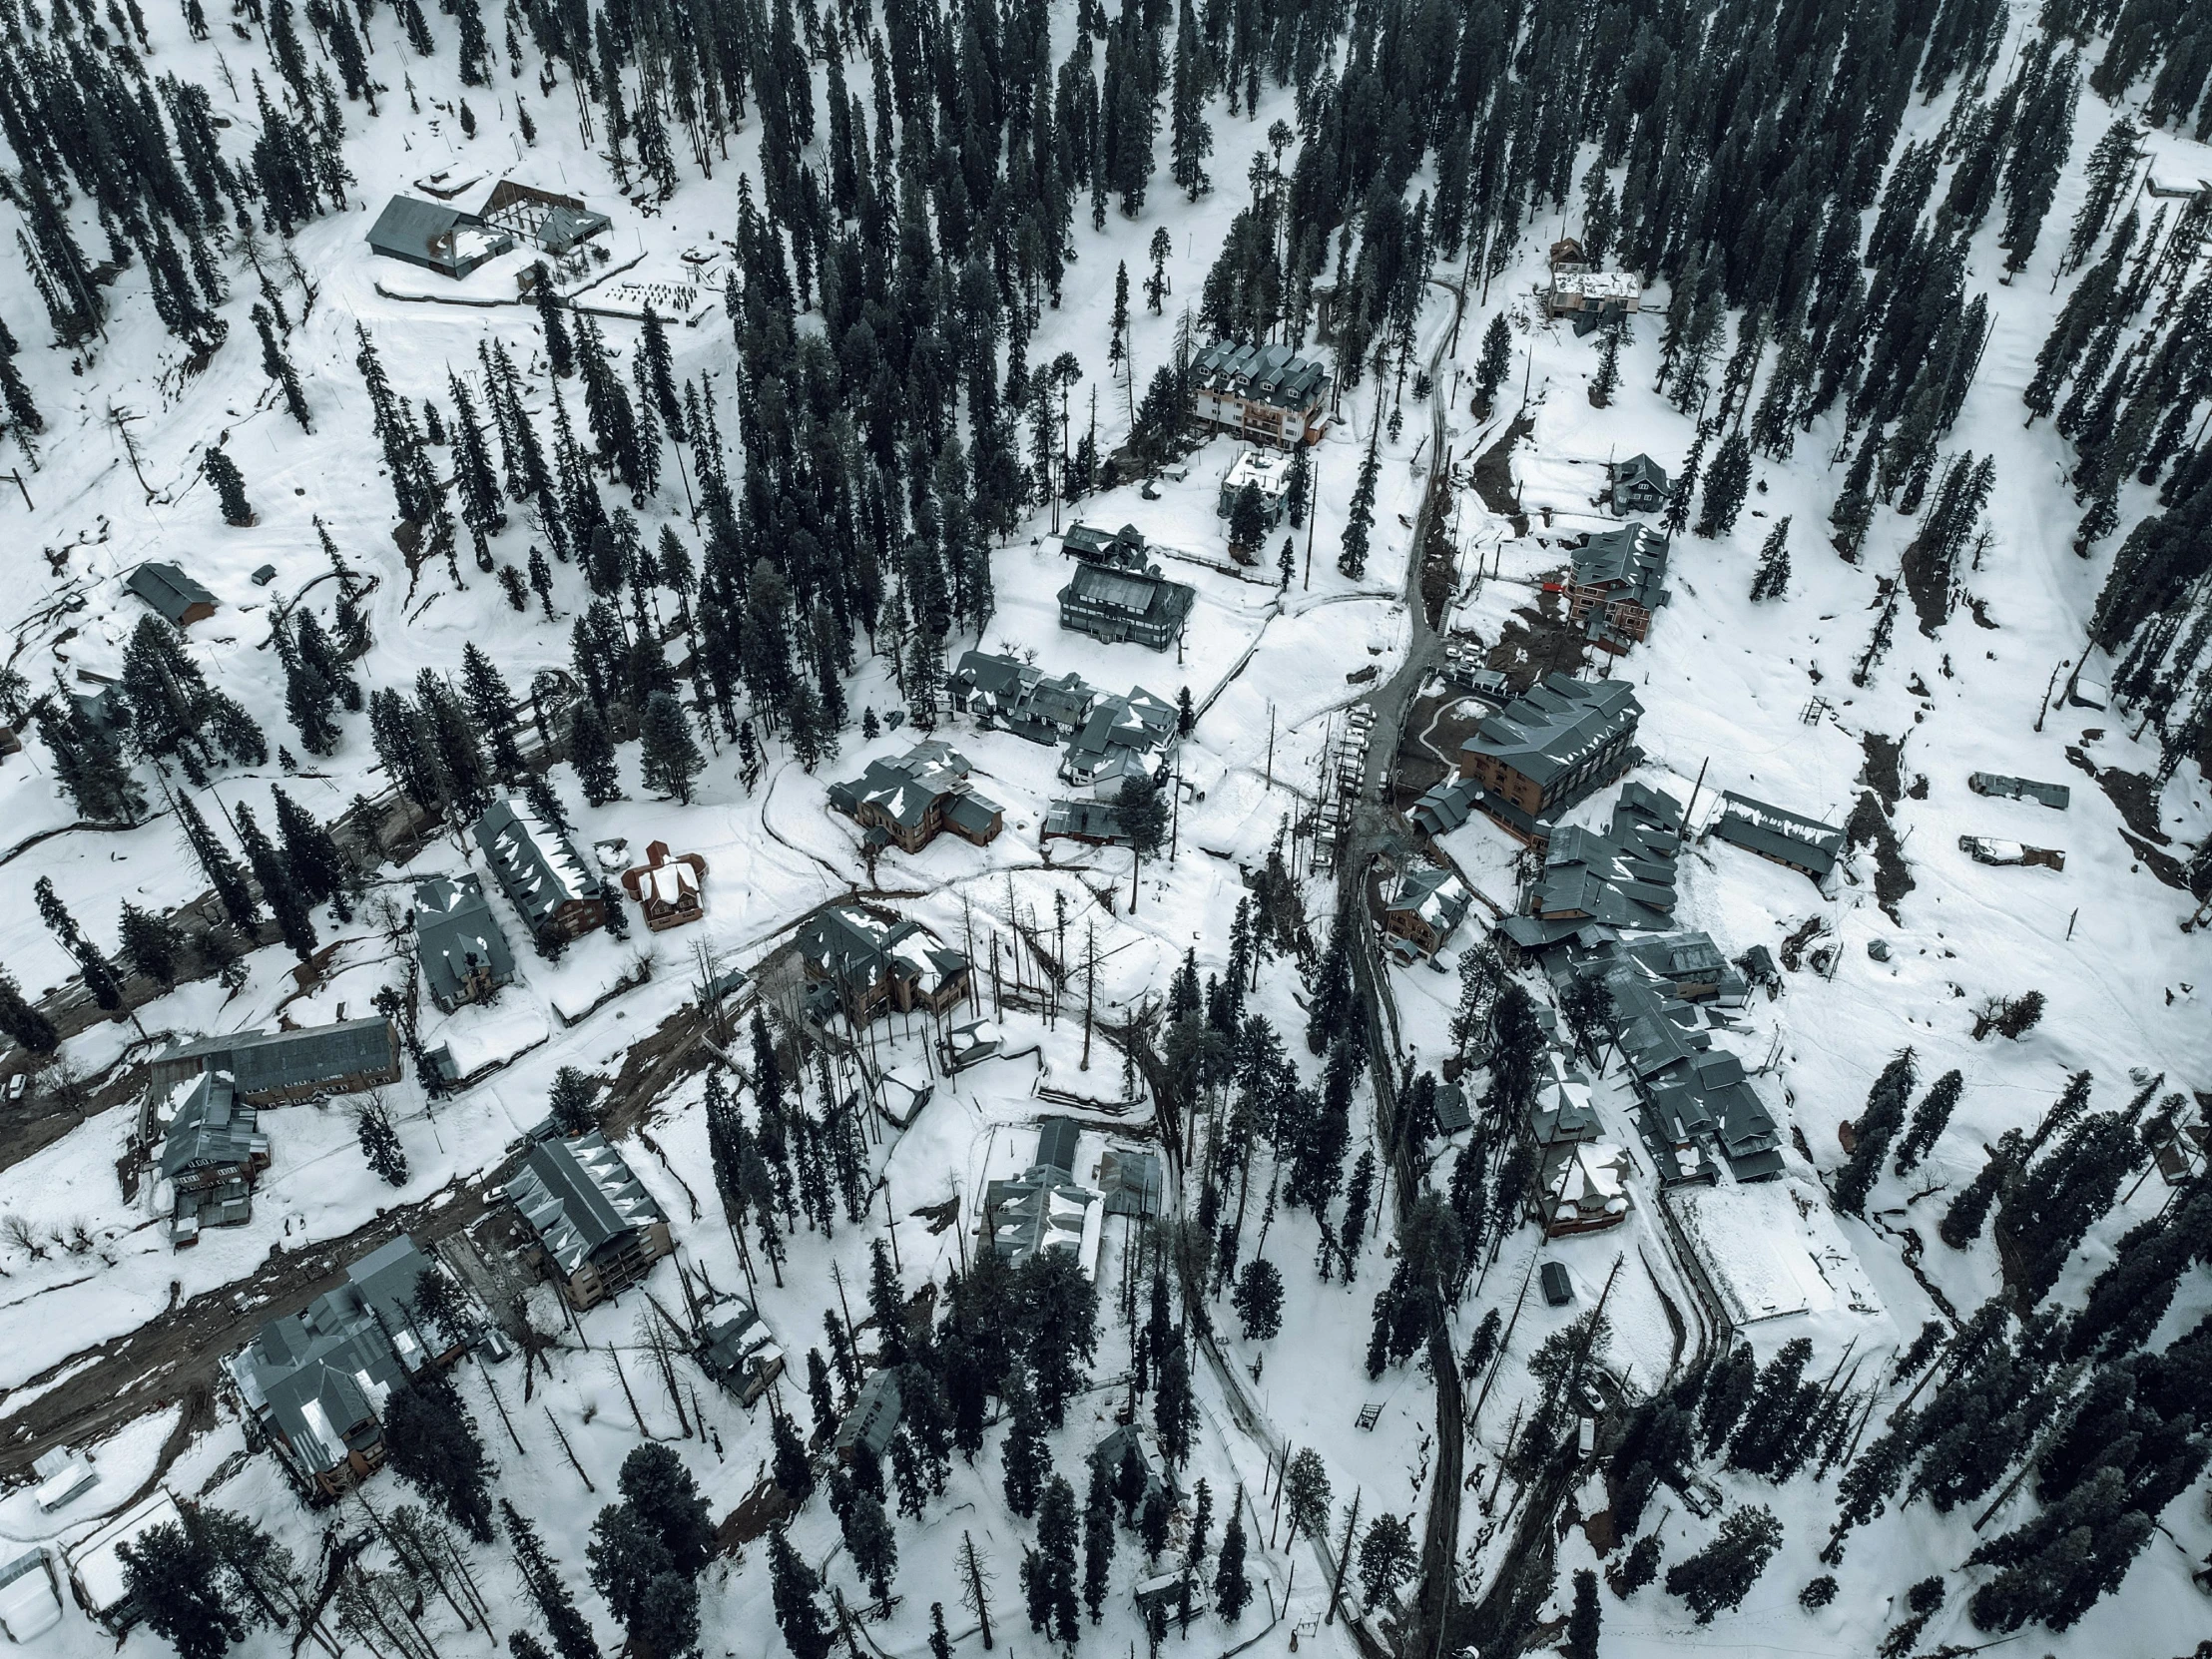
798	1611
591	750
1721	1574
175	1584
559	354
1495	361
277	368
1192	135
1608	377
1726	487
152	943
1963	1221
98	973
220	869
89	764
1876	1126
1098	1540
433	1446
670	757
1929	1117
1583	1619
1259	1300
229	487
1676	518
1352	560
1773	579
1231	1590
380	1144
286	901
1026	1458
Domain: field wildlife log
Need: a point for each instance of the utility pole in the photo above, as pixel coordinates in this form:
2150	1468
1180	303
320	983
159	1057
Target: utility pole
1343	1558
17	477
1687	811
1271	749
1312	511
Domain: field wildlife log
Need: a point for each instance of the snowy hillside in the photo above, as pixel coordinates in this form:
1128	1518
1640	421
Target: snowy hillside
1601	1048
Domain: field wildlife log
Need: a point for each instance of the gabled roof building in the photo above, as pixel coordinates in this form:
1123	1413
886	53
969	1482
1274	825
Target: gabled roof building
435	236
1553	745
1424	906
1117	605
868	963
668	886
170	591
212	1155
1620	881
314	1382
597	1230
1788	838
1619	580
1122	549
740	1353
905	802
269	1067
1638	485
463	953
1121	738
1265	393
540	873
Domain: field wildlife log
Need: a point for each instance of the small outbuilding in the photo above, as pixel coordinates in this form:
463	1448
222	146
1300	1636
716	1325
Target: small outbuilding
740	1353
1788	838
170	591
1638	485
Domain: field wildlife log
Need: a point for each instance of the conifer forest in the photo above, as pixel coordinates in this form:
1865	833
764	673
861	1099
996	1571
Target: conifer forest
882	828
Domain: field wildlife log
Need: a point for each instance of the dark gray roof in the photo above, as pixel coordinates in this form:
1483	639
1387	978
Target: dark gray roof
168	589
845	944
532	862
563	228
578	1197
1551	728
2055	795
1098	820
421	231
317	1373
1057	1143
1631	562
211	1128
905	787
1261	373
874	1418
1137	593
1087	541
1777	834
453	923
282	1062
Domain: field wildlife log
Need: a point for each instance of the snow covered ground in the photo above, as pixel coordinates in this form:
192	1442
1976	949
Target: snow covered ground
1725	686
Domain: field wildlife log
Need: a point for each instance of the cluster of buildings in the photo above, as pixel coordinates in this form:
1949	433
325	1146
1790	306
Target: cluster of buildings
453	240
1060	1200
1106	738
1116	593
201	1118
1585	295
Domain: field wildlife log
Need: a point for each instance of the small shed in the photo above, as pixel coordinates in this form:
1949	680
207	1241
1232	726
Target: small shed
170	591
2054	795
1639	486
874	1418
1558	1289
1788	838
96	1562
740	1353
29	1606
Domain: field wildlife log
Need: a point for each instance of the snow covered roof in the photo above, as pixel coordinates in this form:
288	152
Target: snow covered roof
1775	832
578	1195
456	935
1268	471
1551	728
533	862
29	1606
96	1562
1597	285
